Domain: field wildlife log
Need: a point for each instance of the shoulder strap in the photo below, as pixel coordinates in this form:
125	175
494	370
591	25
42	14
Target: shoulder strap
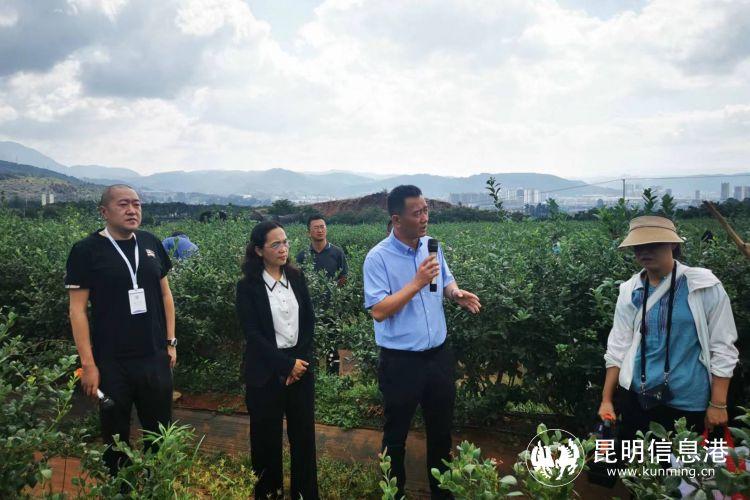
644	329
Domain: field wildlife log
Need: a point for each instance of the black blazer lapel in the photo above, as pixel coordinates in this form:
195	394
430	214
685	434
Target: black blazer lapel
264	307
296	284
306	313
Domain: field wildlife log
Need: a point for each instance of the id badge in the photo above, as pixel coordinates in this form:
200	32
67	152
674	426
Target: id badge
137	301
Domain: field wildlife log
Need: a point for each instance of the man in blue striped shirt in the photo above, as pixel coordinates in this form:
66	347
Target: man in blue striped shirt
416	367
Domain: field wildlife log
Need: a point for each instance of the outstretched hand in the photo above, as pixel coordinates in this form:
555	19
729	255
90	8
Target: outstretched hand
467	300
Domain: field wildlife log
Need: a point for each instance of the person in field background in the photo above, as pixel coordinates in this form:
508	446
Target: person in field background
329	258
179	246
325	255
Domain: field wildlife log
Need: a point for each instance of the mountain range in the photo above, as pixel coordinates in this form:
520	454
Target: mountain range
281	183
28	182
306	186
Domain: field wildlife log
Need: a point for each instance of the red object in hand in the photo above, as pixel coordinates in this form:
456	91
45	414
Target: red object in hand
731	466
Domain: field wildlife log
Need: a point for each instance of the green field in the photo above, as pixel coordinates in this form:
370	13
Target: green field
538	342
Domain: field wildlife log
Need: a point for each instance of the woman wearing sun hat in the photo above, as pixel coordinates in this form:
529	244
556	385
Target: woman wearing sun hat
688	332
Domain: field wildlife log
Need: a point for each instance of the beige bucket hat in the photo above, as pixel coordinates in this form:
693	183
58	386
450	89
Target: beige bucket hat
651	229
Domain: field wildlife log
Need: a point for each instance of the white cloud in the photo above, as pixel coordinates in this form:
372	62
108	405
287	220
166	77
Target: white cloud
205	17
110	8
7	113
8	16
447	86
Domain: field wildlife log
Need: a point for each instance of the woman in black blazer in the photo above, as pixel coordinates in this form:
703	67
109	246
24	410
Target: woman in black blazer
277	318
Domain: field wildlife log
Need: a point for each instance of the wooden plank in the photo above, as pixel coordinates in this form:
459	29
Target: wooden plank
743	247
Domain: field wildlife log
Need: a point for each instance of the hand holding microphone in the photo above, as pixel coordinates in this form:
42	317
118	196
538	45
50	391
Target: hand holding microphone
90	382
427	272
105	401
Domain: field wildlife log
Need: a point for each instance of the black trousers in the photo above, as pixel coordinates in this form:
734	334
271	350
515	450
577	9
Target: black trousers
407	379
635	418
267	406
145	382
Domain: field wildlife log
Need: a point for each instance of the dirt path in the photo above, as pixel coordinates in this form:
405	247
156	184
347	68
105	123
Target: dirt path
230	434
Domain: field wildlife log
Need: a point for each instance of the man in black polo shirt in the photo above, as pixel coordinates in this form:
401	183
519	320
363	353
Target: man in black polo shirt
128	347
325	255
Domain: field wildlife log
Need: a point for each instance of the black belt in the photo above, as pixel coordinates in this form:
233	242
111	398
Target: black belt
426	353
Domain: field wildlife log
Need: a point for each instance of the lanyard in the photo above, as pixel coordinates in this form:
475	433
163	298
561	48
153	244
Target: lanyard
119	250
669	328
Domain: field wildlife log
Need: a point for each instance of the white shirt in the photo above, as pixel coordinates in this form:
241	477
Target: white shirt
712	313
284	310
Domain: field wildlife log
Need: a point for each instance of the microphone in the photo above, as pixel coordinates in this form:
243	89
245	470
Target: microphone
432	247
105	401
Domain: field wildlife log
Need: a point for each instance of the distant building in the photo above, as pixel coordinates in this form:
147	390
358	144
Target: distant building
471	199
532	196
697	195
51	198
633	190
520	194
724	191
44	199
737	193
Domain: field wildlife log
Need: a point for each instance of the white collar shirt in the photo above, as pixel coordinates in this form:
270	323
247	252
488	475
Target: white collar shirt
284	310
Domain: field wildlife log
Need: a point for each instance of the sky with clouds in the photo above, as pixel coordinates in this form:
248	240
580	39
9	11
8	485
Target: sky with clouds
574	88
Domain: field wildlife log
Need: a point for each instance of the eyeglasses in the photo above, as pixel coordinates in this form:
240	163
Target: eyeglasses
278	244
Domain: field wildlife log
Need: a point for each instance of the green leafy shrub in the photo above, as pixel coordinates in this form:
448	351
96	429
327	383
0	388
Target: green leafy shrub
165	464
539	339
651	485
36	386
346	401
222	477
340	480
469	476
388	484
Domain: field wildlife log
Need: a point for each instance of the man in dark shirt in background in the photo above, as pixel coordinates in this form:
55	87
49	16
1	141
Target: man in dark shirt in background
128	347
326	256
331	259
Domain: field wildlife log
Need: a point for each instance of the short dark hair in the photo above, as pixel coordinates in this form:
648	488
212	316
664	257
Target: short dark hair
107	193
314	217
398	195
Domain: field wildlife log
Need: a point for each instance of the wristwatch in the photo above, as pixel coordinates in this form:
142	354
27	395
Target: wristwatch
172	342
